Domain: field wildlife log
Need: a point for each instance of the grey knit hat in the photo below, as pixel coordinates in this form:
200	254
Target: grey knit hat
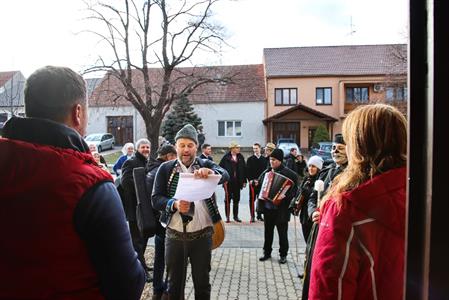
187	132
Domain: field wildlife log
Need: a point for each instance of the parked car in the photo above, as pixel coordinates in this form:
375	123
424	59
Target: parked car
286	144
103	141
323	150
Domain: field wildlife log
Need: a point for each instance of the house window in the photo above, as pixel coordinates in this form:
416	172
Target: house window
357	94
230	128
396	93
324	96
285	96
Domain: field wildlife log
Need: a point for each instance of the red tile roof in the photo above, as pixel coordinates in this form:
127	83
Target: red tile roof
336	60
6	76
248	85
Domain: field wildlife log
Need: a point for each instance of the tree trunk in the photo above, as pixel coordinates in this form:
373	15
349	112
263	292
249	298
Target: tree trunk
152	127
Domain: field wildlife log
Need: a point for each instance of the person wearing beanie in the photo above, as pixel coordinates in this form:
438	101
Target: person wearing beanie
327	175
316	161
277	216
314	166
164	153
234	163
187	132
188	225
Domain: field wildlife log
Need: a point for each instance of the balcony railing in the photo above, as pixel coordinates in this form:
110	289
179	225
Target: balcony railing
399	104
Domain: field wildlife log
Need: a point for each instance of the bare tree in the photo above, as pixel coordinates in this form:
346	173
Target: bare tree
395	81
166	34
11	95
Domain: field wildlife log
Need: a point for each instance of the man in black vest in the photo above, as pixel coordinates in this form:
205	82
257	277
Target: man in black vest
206	151
255	165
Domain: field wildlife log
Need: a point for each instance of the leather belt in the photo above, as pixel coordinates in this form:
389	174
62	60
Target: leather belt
189	236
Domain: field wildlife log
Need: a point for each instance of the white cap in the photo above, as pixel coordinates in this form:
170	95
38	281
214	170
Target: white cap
316	161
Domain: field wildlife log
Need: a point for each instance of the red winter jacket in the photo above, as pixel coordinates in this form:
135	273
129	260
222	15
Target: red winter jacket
42	255
359	252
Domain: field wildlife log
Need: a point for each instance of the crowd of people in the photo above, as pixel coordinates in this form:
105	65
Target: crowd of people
90	232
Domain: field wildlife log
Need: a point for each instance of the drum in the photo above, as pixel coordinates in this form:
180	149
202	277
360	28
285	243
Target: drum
273	186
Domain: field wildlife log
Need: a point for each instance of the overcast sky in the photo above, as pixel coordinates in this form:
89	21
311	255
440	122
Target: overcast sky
37	33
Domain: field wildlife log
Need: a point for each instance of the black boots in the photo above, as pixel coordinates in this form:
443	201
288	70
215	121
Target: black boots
235	211
265	257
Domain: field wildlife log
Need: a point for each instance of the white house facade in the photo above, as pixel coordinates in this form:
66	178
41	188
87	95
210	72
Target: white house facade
230	112
239	122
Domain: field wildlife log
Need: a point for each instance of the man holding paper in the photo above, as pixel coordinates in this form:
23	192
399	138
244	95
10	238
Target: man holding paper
189	222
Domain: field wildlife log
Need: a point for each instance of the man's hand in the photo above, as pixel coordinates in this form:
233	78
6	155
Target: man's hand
202	173
281	197
315	216
182	206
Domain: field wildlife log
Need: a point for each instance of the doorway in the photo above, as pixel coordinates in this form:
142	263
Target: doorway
122	129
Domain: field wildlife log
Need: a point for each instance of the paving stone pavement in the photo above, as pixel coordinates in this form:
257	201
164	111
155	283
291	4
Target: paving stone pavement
236	270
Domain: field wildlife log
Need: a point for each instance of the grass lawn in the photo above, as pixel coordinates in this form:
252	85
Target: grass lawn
112	158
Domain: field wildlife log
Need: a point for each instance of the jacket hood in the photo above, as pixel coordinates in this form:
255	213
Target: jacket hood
44	132
383	198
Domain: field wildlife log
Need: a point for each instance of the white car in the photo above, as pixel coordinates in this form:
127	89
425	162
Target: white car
103	141
285	146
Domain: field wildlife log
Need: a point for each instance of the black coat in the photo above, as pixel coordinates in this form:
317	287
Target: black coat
327	175
127	183
202	156
283	209
152	168
240	175
306	189
291	163
302	165
255	166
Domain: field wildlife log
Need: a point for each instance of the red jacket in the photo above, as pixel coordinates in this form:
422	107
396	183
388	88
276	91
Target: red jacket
359	252
40	188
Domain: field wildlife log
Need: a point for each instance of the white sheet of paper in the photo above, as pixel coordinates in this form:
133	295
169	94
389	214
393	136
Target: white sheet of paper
195	189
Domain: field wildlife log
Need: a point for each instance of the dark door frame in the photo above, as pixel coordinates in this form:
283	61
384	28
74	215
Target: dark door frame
427	273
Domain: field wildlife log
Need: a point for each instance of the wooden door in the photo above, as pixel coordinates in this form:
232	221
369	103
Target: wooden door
121	127
287	130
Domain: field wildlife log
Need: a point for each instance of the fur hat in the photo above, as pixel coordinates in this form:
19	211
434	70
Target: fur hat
316	161
278	154
187	132
338	138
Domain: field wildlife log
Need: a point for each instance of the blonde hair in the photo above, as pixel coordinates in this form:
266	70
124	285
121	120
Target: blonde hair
376	139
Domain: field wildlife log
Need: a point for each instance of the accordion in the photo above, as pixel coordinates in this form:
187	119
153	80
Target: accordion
273	186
